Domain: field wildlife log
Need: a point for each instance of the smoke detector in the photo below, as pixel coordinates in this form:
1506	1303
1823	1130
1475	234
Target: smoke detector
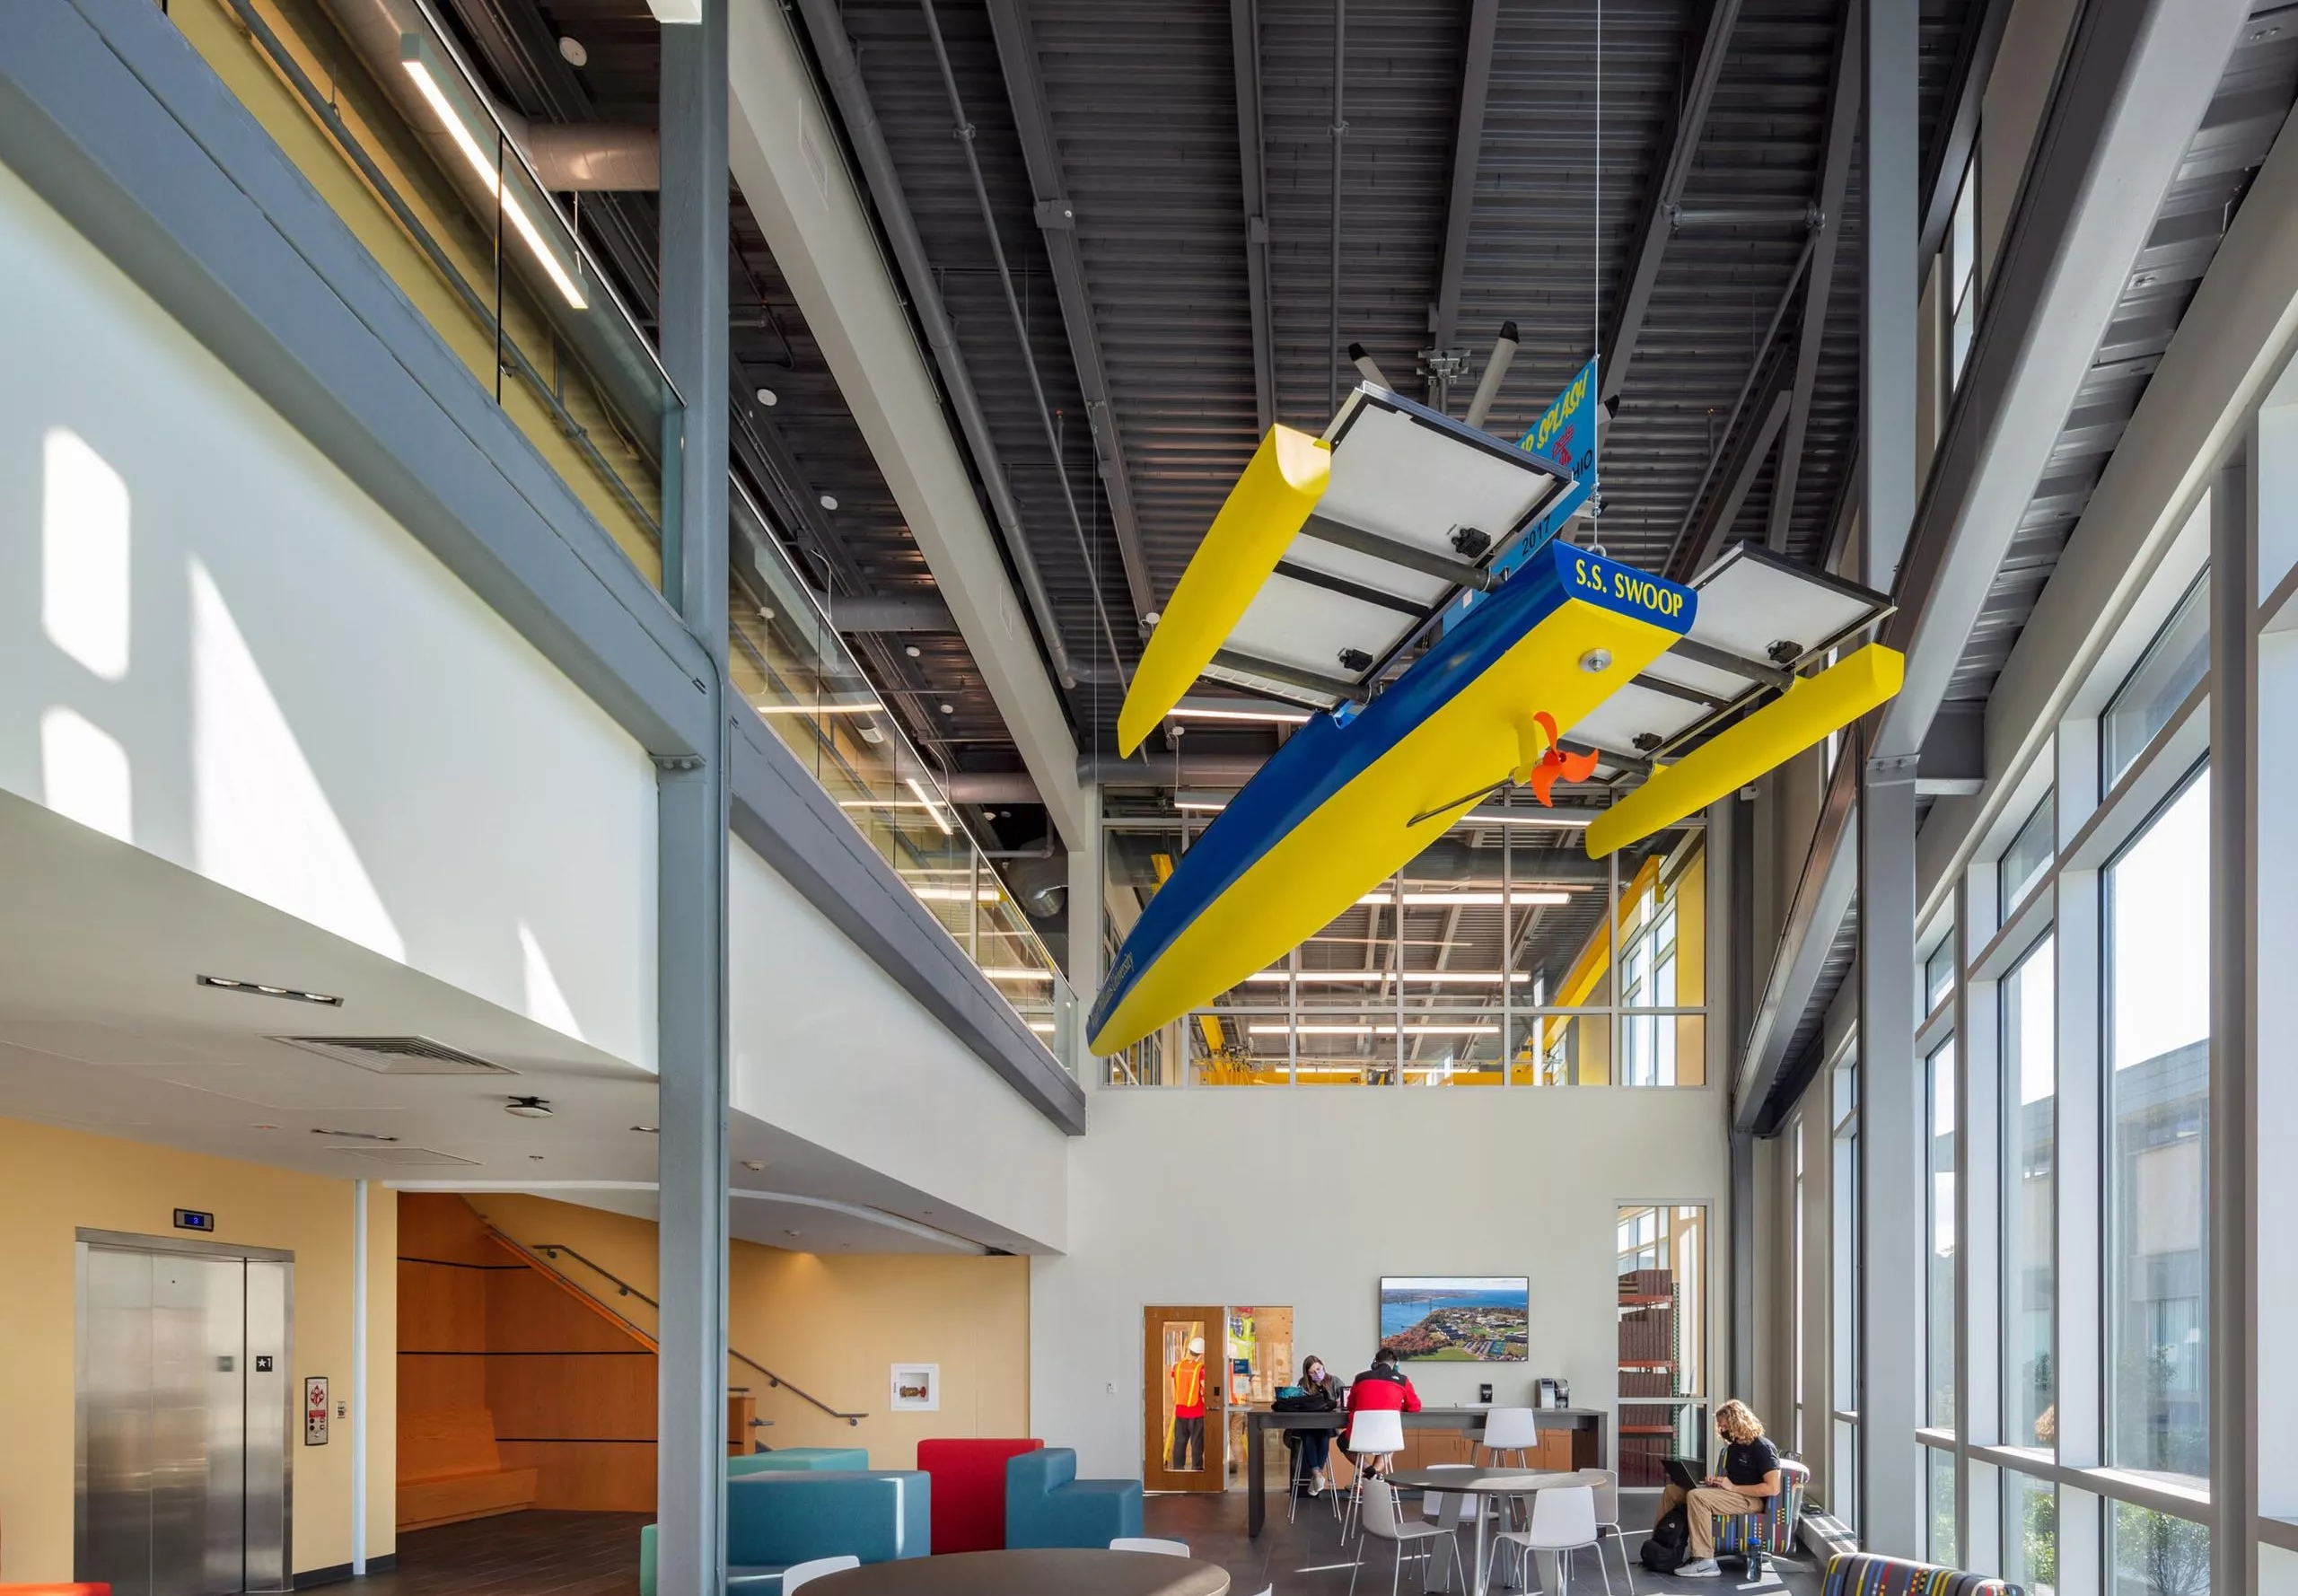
527	1108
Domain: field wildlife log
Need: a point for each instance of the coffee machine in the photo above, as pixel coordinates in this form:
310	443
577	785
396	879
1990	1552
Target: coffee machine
1551	1391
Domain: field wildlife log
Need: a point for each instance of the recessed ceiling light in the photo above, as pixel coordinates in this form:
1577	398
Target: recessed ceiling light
752	1163
949	709
354	1135
571	50
829	501
647	1130
258	989
528	1108
912	650
769	397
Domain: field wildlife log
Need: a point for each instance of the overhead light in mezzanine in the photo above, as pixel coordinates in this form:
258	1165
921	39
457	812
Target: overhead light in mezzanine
431	81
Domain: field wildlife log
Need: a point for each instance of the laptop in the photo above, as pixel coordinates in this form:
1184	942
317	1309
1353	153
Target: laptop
1688	1472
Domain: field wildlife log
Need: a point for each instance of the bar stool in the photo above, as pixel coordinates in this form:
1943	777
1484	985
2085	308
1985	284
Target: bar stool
1375	1433
1511	1430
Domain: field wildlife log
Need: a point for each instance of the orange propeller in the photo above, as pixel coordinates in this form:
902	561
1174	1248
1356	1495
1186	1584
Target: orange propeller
1555	762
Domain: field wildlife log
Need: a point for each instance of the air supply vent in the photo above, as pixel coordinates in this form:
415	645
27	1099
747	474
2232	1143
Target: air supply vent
404	1155
396	1055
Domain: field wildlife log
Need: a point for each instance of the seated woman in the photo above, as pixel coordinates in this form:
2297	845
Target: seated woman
1751	1478
1315	1446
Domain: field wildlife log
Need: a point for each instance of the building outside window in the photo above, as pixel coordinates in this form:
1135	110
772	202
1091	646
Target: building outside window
1939	1283
2030	1199
2031	1532
2158	1022
1961	260
2174	661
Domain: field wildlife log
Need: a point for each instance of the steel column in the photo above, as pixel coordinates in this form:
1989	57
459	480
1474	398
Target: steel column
1892	1203
690	1455
1659	219
2233	1141
1835	179
1890	1081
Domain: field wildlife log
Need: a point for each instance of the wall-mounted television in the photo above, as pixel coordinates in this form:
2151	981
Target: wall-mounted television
1456	1318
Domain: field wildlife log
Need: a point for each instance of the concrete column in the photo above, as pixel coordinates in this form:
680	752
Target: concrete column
690	1468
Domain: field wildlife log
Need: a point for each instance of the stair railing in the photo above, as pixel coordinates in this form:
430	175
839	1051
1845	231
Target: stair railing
543	1256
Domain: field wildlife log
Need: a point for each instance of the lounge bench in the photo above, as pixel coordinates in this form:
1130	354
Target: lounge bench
450	1471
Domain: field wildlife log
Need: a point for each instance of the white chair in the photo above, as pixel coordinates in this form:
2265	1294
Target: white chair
1376	1434
798	1574
1150	1543
1607	1491
1511	1430
1563	1520
1382	1520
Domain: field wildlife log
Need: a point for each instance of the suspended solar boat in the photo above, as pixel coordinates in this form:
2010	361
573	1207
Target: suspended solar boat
1401	575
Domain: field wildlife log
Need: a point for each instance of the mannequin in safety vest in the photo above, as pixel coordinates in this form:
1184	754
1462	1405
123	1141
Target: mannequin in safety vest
1189	1409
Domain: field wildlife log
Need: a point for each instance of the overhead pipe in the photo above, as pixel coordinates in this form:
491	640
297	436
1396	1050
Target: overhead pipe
828	30
1487	387
1021	328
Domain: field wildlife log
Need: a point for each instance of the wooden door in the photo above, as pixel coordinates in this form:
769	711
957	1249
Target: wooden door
1177	1452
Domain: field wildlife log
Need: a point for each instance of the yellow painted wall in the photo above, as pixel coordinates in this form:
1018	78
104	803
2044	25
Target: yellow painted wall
52	1183
835	1325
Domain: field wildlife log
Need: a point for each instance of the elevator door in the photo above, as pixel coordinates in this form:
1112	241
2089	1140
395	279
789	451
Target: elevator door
183	1398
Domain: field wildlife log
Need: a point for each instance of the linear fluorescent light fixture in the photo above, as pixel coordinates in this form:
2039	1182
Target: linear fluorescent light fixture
931	807
1259	714
1372	1030
1550	819
415	55
864	706
1211	806
258	989
1467	900
1426	978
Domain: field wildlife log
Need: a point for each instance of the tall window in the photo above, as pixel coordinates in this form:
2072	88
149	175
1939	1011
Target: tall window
1940	1285
2030	1199
2028	858
1663	1352
1843	1207
2178	658
1961	260
1802	1266
2158	1022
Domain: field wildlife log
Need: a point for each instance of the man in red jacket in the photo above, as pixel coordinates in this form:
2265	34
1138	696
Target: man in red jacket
1380	1389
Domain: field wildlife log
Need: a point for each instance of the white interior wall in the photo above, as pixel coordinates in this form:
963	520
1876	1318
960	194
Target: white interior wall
214	646
827	1045
1306	1195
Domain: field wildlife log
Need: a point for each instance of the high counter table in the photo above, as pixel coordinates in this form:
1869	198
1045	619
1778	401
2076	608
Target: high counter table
1585	1426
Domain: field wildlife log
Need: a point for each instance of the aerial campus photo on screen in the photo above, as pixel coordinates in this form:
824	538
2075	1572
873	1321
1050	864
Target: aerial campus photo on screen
1458	1318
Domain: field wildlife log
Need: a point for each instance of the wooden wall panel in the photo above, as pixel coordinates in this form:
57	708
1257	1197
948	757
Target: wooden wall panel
588	1477
439	1224
441	1384
528	1311
442	1307
607	1397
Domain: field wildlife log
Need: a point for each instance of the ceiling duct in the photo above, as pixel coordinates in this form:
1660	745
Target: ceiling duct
396	1055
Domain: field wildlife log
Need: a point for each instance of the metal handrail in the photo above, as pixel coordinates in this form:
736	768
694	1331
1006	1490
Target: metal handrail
551	1250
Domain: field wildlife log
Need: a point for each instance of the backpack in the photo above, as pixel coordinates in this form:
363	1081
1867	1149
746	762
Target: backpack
1668	1546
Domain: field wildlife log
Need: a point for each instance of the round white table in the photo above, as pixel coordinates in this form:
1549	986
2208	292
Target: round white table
1470	1479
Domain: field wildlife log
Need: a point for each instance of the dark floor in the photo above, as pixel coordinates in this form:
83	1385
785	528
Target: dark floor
1306	1557
519	1554
596	1554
